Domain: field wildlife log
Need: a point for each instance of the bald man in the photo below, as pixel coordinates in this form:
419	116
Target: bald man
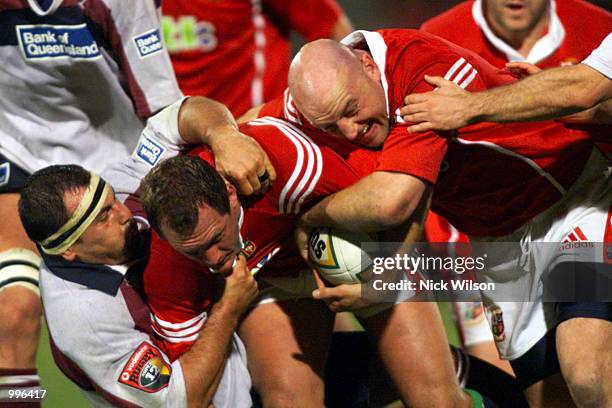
519	183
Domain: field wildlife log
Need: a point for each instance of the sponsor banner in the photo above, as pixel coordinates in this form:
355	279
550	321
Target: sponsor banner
46	41
146	369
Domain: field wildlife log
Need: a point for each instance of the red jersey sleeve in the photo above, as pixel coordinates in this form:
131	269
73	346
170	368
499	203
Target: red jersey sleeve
421	154
311	18
180	295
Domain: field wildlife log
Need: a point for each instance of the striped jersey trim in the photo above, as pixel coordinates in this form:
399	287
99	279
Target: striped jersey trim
307	170
186	331
466	73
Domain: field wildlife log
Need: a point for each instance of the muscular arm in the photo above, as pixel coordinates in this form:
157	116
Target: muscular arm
237	157
549	94
379	201
203	364
546	95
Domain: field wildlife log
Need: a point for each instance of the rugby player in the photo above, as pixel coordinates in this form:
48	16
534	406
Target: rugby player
94	252
78	80
549	94
355	92
199	215
249	65
542	32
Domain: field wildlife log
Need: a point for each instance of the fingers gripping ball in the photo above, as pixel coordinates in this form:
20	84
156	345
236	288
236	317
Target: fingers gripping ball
337	255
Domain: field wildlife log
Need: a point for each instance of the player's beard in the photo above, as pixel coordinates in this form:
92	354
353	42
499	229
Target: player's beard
136	241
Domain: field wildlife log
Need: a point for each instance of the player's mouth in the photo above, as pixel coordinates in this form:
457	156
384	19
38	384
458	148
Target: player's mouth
218	267
515	6
367	134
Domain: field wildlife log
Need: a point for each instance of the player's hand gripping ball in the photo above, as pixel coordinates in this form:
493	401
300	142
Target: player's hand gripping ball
337	255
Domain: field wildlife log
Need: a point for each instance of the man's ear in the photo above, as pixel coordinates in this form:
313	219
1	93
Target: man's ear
369	66
232	193
70	255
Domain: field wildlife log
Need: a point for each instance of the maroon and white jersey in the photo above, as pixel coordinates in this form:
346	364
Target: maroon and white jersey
575	28
180	291
78	79
489	178
237	51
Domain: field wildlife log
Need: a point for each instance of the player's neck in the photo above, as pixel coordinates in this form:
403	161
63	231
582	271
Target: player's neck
522	41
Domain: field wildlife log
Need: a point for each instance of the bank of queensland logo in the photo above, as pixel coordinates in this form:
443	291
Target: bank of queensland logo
149	151
46	41
148	43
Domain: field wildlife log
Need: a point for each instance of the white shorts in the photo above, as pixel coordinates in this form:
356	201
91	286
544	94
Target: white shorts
234	390
533	250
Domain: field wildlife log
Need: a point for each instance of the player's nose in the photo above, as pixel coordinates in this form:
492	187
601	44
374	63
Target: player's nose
123	213
348	128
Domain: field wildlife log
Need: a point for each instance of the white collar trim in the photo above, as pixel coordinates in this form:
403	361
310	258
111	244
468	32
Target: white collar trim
38	10
378	49
543	48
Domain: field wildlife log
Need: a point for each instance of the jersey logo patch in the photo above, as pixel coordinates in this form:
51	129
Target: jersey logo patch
248	249
148	43
149	151
146	369
5	173
45	41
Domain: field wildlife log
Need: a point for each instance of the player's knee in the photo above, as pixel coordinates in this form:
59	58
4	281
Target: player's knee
586	385
20	307
20	313
287	392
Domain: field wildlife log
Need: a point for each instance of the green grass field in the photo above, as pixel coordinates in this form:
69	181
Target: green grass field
62	393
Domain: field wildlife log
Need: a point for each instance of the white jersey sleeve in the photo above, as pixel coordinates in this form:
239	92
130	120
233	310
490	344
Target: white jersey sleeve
601	57
159	140
140	52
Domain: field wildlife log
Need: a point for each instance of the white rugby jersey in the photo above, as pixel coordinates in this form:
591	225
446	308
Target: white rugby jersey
78	79
100	326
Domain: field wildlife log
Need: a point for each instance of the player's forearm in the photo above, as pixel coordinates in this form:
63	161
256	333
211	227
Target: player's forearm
203	364
549	94
379	201
201	120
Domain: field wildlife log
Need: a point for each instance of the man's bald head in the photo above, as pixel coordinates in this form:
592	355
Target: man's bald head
339	90
320	70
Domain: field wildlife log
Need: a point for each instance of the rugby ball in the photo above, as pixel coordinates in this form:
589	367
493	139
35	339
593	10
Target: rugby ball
337	255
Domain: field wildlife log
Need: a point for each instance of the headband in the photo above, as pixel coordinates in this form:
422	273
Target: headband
87	211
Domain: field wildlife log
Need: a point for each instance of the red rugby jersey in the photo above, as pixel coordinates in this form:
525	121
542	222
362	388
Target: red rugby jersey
489	178
237	51
180	291
584	26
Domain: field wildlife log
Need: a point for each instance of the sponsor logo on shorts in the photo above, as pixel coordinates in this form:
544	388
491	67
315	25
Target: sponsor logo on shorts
45	41
497	324
146	369
148	43
5	173
149	151
576	239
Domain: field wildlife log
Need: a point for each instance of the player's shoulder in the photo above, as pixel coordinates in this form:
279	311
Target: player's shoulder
452	20
573	10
